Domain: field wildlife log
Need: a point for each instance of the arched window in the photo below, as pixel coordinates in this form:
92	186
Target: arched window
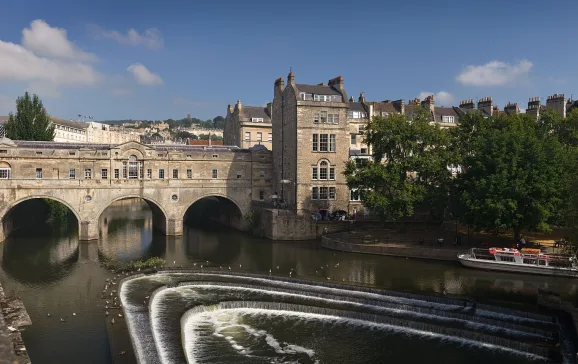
5	170
132	167
323	171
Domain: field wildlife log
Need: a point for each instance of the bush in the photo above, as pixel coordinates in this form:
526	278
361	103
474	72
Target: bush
253	220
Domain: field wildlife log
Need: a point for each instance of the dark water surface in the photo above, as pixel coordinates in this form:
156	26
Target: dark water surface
54	273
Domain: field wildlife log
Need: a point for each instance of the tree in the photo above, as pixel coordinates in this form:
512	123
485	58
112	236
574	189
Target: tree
409	165
31	121
513	173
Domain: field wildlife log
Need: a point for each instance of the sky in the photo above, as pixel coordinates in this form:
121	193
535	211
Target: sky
155	60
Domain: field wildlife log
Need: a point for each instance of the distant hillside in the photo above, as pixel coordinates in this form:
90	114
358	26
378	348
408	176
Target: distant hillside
217	122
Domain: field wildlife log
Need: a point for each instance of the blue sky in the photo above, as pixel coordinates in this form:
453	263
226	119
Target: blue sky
158	59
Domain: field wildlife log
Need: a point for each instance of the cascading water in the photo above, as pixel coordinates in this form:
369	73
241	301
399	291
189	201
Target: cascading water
220	317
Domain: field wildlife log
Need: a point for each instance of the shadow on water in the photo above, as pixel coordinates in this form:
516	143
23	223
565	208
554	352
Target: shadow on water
54	252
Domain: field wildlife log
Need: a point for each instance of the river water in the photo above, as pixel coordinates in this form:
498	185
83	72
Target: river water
54	273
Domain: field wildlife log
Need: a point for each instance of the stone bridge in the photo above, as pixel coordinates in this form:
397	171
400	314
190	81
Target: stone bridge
87	178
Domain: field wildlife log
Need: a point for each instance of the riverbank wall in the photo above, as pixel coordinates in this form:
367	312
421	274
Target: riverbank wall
13	316
338	241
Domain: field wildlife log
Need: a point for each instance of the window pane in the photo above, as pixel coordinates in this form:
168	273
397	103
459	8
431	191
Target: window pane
175	173
104	173
324	116
323	192
189	173
332	143
332	193
315	193
314	175
323	142
315	140
161	173
214	174
331	173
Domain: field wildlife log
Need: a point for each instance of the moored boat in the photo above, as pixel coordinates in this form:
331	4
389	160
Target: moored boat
525	260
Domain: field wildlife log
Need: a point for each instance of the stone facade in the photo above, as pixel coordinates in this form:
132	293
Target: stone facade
89	177
311	144
246	126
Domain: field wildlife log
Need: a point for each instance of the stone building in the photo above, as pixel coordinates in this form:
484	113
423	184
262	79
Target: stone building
246	126
103	134
69	131
311	140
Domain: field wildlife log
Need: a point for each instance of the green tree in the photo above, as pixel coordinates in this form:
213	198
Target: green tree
513	173
409	165
31	121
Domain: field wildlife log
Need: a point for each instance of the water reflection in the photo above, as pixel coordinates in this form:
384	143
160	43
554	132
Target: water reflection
54	273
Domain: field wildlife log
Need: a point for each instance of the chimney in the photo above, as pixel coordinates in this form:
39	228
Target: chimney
351	99
415	101
321	84
291	78
557	102
485	105
399	106
279	86
337	83
270	109
511	108
428	103
229	109
238	106
361	97
467	104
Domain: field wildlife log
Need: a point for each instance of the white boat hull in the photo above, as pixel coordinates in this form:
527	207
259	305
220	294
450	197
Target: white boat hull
468	261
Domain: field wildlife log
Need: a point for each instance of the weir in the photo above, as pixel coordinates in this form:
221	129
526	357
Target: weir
169	311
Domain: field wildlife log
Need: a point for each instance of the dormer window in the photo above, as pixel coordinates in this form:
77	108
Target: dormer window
325	98
448	119
357	115
257	120
302	95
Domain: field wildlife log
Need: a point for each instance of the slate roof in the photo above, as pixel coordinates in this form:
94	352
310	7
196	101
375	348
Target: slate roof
158	147
387	107
255	112
317	89
69	123
440	111
356	106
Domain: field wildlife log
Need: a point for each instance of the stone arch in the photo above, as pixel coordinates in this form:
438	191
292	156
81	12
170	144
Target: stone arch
232	220
6	226
160	215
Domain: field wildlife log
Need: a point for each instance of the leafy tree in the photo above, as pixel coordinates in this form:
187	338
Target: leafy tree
31	121
513	173
409	165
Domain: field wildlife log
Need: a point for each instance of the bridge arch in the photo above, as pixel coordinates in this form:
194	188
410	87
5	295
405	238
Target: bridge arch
230	214
6	225
160	215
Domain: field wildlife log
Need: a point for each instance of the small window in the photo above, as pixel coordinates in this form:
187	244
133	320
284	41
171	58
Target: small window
259	136
104	173
38	153
316	118
72	173
3	151
324	116
361	129
215	156
189	173
257	120
323	193
5	173
262	173
161	173
332	142
175	173
323	170
239	173
332	193
323	142
71	153
214	174
149	173
248	136
353	138
315	193
116	173
87	173
315	142
39	173
270	137
261	195
354	195
332	173
314	173
363	150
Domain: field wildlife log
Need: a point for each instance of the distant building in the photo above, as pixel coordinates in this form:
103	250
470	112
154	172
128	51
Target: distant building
246	126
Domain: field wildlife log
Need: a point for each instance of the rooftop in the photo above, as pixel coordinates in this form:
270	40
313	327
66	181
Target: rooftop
317	89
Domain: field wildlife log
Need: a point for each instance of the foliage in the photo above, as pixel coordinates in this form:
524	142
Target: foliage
31	122
216	123
185	135
253	221
57	212
409	165
215	138
154	262
513	172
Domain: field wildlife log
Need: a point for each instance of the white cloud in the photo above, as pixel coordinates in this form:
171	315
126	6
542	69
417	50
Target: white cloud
143	76
494	73
151	38
20	64
44	40
440	98
121	91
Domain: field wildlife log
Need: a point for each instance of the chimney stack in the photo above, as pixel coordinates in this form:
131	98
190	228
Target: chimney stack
399	106
279	86
238	106
229	109
351	99
511	108
337	83
361	97
467	104
428	103
485	105
291	78
270	109
415	101
557	102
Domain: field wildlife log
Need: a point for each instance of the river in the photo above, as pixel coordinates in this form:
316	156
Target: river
55	273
